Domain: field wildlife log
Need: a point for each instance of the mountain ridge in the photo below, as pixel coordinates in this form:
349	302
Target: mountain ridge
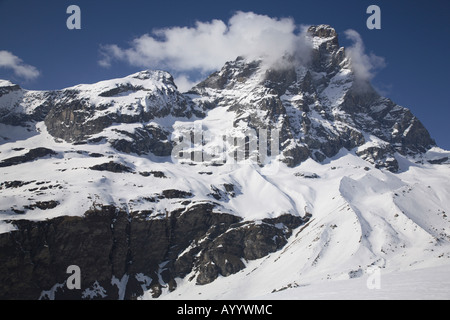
324	106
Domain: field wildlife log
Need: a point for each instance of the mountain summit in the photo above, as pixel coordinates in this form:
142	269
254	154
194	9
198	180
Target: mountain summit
318	106
94	176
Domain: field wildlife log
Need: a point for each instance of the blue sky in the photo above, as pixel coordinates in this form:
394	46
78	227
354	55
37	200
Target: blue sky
414	42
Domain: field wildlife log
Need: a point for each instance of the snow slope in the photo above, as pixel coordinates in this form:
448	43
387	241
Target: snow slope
419	284
360	219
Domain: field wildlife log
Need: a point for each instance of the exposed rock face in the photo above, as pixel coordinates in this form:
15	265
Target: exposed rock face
319	108
83	111
31	155
145	139
108	243
112	167
78	113
252	240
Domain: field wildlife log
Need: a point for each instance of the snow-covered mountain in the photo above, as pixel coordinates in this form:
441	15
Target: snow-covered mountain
94	176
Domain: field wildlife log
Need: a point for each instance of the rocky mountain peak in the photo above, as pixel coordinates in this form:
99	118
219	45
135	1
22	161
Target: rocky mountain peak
7	87
157	76
323	38
315	105
6	83
322	31
318	107
233	73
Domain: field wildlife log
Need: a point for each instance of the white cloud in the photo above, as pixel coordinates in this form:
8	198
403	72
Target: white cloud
184	83
208	45
10	61
364	65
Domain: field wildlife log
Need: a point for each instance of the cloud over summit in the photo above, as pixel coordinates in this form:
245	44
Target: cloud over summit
364	65
208	45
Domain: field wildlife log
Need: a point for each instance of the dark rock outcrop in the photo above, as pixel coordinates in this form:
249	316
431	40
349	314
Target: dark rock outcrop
111	246
31	155
74	117
112	167
149	138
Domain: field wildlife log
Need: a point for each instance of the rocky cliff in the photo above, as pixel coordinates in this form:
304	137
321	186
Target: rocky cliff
121	254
